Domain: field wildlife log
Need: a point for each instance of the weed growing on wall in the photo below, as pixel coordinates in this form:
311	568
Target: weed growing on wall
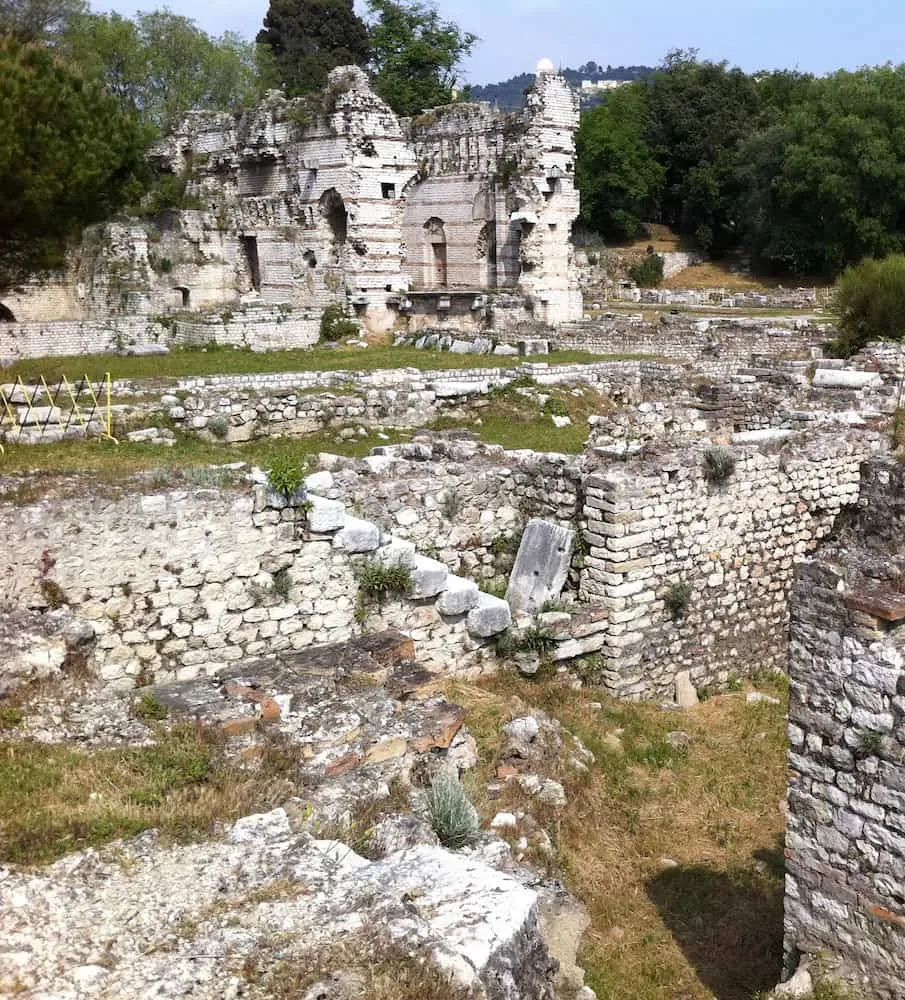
377	582
286	475
719	464
676	599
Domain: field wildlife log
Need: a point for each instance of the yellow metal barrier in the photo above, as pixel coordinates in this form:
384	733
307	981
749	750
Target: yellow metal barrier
18	404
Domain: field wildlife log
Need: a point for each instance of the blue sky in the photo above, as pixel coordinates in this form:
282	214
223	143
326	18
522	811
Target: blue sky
812	35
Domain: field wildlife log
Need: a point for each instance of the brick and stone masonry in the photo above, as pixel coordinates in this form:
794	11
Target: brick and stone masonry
845	845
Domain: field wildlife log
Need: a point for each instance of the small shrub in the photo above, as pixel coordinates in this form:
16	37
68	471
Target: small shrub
506	544
53	594
535	639
450	813
451	504
335	325
11	717
376	581
554	407
719	464
870	742
282	582
676	599
647	273
219	427
496	587
286	475
870	303
150	709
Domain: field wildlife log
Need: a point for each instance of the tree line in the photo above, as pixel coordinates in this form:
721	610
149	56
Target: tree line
804	174
83	96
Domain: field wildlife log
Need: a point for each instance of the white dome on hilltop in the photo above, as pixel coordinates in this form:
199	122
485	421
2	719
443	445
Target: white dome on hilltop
545	66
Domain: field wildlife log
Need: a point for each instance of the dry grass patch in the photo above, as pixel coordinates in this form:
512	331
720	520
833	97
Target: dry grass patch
55	799
675	851
366	968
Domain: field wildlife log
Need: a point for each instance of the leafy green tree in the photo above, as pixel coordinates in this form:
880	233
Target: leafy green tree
870	303
699	112
161	64
308	38
415	55
69	156
38	20
826	186
619	177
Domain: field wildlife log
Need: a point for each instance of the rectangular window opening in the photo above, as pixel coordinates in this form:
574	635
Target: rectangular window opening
388	190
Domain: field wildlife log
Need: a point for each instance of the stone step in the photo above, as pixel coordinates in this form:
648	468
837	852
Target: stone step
489	616
429	577
325	516
357	535
396	552
459	596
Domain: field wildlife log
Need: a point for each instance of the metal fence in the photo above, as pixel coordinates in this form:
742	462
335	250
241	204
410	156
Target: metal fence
38	411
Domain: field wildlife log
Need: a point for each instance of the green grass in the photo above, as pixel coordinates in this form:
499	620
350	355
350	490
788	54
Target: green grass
105	462
228	361
55	799
676	851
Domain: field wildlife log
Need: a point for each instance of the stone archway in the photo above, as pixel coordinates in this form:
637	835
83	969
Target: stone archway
6	314
333	209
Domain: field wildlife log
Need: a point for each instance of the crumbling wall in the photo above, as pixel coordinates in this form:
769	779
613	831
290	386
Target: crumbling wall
845	843
696	573
178	584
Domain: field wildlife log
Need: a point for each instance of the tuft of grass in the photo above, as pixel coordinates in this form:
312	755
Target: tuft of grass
149	708
55	799
450	812
676	599
11	717
374	966
377	581
286	475
282	584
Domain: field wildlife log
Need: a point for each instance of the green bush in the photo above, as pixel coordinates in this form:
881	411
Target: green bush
149	708
286	475
219	427
870	304
647	273
282	583
335	326
450	813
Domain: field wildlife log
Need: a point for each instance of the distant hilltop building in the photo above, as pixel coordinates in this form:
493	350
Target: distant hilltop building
596	86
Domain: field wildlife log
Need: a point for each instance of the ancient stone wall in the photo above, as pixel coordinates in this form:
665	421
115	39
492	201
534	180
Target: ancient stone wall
258	329
179	584
845	843
696	573
688	339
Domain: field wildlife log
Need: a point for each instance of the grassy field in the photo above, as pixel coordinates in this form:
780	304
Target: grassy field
676	853
227	361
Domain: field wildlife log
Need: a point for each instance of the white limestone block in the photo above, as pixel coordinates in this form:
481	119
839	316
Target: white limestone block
460	595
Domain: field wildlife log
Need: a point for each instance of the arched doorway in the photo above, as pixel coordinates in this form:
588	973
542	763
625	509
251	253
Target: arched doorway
435	265
6	314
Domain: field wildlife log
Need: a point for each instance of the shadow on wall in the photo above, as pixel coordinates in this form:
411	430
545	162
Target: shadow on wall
727	923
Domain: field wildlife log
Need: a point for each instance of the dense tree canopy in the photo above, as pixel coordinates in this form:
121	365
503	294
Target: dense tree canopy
308	38
805	174
161	65
69	155
620	178
415	55
38	20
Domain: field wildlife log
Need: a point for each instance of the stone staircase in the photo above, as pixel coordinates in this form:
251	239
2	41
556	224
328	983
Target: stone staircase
431	580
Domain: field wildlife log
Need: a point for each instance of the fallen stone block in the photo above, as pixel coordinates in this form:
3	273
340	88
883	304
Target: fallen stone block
846	378
396	552
541	566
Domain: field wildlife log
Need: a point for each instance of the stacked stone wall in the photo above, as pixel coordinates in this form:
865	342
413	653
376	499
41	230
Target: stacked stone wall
688	340
696	575
178	584
845	843
257	330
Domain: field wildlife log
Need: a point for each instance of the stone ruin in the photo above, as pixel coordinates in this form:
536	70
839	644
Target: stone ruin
460	216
